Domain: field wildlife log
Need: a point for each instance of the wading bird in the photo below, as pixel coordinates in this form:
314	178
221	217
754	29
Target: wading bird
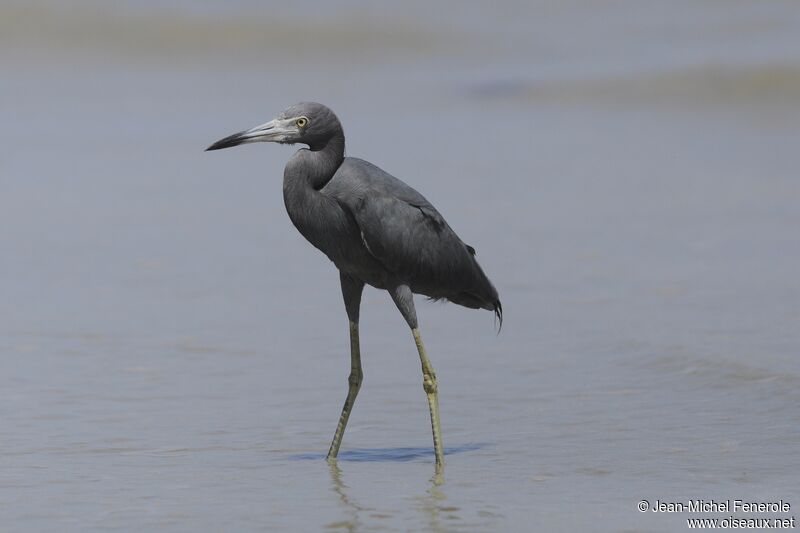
377	230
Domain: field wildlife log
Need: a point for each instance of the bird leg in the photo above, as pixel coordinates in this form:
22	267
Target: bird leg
351	292
354	384
404	300
431	391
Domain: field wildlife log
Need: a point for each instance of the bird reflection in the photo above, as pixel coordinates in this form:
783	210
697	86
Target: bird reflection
431	504
351	508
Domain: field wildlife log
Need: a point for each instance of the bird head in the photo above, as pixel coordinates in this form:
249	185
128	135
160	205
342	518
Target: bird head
305	123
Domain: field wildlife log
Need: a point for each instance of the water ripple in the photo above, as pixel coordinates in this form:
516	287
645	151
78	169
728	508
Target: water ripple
398	455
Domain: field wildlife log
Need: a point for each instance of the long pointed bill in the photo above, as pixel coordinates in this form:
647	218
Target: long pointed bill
277	130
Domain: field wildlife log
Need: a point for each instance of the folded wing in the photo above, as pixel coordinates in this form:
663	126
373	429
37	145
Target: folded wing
410	238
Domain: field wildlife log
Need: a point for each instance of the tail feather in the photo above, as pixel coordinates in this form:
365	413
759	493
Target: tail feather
498	314
464	283
475	302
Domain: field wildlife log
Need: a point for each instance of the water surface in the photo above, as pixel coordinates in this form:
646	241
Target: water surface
175	355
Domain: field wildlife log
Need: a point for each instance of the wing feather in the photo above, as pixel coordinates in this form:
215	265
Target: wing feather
402	229
409	237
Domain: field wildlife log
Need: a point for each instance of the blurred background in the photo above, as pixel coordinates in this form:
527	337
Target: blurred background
174	354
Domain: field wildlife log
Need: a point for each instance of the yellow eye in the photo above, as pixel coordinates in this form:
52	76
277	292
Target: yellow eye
301	122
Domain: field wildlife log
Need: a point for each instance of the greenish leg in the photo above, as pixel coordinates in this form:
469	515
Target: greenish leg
429	384
354	384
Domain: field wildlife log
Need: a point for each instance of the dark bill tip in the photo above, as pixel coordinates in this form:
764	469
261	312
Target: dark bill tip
227	142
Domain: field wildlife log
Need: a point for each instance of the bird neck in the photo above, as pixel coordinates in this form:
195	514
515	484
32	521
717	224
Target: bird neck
321	161
307	171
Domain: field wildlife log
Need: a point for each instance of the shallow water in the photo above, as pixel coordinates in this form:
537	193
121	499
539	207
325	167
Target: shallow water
175	355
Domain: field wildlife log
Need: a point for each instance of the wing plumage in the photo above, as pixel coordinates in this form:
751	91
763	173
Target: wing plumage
409	237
